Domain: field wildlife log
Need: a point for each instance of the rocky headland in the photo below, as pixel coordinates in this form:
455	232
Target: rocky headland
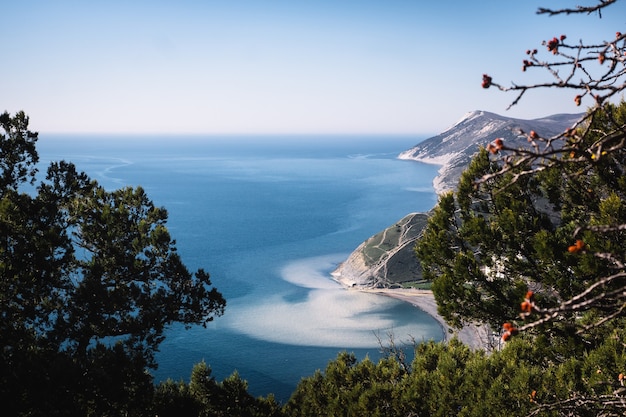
385	259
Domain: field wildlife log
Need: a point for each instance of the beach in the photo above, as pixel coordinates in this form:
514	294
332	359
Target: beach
474	336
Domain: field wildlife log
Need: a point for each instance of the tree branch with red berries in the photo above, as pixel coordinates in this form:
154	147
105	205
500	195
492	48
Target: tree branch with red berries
534	238
592	154
597	71
595	145
594	70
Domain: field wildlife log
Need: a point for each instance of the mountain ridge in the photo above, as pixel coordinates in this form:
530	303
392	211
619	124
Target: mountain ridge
454	148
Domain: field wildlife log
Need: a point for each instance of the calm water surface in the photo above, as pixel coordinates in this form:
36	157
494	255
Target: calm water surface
270	218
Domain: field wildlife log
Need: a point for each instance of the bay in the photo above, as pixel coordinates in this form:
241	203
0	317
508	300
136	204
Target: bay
270	217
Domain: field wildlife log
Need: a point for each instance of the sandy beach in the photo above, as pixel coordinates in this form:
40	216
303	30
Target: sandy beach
476	337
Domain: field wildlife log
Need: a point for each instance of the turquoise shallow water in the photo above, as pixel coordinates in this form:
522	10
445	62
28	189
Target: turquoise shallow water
269	218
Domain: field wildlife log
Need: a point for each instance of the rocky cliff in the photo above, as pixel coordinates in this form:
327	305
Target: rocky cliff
387	259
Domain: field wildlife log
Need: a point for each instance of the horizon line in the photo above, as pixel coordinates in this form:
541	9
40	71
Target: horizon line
240	134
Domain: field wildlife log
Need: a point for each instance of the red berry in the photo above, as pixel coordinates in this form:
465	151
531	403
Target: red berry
486	81
553	45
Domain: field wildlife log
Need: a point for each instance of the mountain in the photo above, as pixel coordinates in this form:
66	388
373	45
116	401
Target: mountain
453	149
387	259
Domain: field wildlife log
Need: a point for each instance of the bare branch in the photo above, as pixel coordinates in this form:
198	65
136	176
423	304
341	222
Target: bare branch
579	9
584	301
605	228
604	405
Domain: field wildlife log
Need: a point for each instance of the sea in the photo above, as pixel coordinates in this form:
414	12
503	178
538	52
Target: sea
270	217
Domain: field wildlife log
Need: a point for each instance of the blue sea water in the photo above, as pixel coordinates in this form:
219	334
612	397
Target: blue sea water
270	218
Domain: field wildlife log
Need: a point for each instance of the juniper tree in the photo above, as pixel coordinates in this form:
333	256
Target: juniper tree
535	236
89	281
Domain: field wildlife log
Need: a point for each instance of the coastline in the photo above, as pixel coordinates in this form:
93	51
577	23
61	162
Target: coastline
476	337
443	161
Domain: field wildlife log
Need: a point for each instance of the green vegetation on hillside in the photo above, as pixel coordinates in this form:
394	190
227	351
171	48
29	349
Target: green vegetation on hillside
451	380
389	253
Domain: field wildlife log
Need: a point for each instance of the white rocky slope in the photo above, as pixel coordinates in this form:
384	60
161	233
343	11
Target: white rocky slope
453	149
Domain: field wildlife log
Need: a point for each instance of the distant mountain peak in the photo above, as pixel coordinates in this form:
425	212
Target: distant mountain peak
454	147
469	116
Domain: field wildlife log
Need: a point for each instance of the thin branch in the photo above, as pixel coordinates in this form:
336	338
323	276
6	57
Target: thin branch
580	302
612	404
605	228
579	9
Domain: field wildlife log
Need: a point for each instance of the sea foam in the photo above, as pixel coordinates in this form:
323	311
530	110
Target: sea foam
327	316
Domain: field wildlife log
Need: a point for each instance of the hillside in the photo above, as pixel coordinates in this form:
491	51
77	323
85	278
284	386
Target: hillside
387	258
453	149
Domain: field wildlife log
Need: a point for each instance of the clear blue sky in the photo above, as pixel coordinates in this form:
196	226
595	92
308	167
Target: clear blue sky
275	66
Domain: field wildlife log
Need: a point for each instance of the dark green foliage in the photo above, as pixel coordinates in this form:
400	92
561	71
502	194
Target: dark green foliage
486	244
18	155
450	379
349	388
502	234
174	399
205	397
89	279
466	241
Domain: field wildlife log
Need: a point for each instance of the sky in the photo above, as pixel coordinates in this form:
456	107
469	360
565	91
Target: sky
277	66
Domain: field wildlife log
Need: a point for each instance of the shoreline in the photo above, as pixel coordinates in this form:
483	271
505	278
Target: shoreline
443	161
472	335
475	337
